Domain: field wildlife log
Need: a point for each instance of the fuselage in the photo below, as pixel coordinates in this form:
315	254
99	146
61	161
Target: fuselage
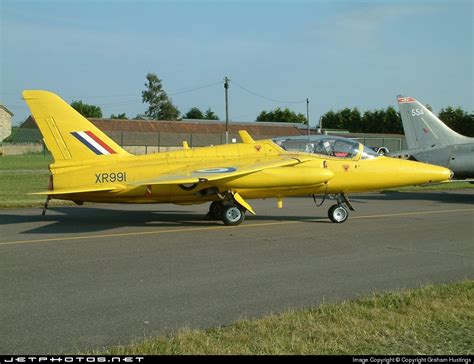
457	157
431	141
317	174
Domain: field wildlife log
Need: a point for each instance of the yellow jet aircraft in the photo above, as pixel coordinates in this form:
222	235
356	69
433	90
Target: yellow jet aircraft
90	167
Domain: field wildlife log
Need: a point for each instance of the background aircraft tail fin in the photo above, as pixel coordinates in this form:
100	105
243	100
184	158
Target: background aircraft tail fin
67	134
422	128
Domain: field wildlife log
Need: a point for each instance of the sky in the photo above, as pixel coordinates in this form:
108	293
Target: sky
276	53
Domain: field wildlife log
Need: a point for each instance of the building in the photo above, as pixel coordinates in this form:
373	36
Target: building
5	122
141	137
170	133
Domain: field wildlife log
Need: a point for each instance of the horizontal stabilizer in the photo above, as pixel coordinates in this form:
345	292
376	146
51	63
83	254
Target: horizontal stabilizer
68	191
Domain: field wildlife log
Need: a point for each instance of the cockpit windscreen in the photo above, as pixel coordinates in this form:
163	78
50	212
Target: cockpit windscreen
330	146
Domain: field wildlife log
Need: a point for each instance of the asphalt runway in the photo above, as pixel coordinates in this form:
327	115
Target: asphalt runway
82	278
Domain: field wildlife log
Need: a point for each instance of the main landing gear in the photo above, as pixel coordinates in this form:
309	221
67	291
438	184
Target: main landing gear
230	209
338	213
229	212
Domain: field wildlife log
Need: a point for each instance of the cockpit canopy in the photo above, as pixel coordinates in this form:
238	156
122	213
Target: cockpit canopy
328	145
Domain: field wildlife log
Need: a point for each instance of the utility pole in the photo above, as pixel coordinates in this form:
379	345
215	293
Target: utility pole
226	87
307	115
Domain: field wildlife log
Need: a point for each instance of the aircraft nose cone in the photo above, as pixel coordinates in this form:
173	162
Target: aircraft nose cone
415	173
440	174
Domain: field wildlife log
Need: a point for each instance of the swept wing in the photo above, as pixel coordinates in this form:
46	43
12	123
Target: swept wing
217	171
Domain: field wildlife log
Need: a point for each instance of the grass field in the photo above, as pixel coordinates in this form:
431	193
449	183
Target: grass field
22	174
434	320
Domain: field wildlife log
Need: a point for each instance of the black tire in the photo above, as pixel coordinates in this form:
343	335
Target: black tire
338	214
232	215
215	210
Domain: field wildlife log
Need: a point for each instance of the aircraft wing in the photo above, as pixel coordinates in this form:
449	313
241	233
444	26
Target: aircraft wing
218	171
67	191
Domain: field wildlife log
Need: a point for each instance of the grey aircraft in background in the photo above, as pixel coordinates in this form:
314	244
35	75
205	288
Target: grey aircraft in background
429	140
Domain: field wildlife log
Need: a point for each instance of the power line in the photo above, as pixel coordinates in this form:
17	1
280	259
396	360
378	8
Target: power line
265	97
173	93
193	89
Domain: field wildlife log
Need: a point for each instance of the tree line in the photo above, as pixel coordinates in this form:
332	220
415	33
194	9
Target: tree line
384	121
388	121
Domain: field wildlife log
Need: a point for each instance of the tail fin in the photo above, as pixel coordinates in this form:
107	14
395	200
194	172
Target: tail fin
422	128
67	134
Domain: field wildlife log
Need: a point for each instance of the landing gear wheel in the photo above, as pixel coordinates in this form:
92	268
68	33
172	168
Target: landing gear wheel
232	215
338	214
215	210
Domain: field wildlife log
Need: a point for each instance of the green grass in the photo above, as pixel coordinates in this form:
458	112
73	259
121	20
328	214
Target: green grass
22	174
25	161
435	187
433	320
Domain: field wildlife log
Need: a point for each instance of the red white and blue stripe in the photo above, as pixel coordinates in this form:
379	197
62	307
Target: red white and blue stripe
92	141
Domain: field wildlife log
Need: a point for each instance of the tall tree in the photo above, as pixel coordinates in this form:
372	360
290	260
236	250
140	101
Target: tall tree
119	116
279	115
458	120
210	115
160	106
86	110
392	122
329	120
194	113
372	121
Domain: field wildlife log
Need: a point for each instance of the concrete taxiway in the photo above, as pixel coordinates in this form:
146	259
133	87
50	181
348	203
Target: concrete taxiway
82	278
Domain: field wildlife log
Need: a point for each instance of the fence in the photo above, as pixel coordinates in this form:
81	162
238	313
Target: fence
152	142
393	144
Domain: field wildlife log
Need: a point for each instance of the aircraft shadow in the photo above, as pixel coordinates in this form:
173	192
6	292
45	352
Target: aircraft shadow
440	196
90	219
74	220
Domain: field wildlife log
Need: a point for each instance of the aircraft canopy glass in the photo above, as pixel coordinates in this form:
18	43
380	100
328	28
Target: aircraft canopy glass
326	145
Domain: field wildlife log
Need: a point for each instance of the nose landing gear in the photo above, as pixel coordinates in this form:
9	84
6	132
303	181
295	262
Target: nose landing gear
338	213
